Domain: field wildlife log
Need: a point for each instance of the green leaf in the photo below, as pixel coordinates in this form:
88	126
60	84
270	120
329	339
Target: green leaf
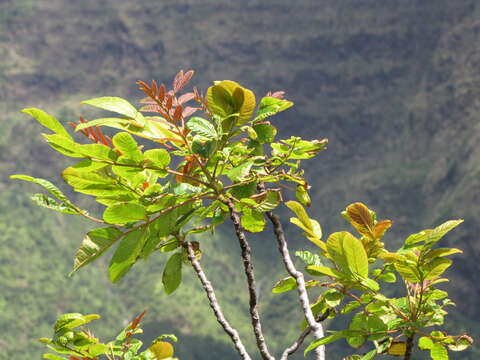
461	343
323	270
52	357
126	144
124	213
172	274
302	215
356	341
370	283
227	97
370	355
348	252
86	180
73	320
265	133
49	203
220	101
63	145
337	335
240	172
269	202
270	106
308	258
436	268
440	252
388	277
47	185
333	297
159	158
202	127
113	122
127	253
96	151
252	220
301	194
48	121
290	283
98	349
438	352
116	104
88	165
94	245
284	285
431	236
442	230
408	271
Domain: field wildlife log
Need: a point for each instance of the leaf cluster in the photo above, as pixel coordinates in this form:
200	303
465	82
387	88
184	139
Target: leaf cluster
352	270
71	338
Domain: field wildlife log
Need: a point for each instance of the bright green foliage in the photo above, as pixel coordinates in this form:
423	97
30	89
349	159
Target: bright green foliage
200	170
354	272
73	341
154	199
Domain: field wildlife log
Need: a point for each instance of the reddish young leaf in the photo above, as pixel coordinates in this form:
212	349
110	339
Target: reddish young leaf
134	323
169	102
361	219
177	80
276	94
189	111
177	115
184	81
381	227
186	97
150	108
154	87
161	93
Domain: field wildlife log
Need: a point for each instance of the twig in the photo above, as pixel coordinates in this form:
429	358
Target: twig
207	286
294	347
316	327
248	266
409	349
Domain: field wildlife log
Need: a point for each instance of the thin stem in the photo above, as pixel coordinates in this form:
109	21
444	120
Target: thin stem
316	327
89	217
294	347
207	286
248	266
409	350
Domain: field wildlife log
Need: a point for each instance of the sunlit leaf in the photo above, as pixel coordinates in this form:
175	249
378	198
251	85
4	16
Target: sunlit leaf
118	105
252	220
94	245
123	213
127	145
127	253
48	121
202	127
270	106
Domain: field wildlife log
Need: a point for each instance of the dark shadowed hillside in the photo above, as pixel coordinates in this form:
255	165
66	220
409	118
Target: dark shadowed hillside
394	85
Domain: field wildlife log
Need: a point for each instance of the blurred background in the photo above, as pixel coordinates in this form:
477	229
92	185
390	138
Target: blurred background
394	85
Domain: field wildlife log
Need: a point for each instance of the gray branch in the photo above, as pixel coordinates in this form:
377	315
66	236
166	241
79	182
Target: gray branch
315	326
248	266
207	286
294	347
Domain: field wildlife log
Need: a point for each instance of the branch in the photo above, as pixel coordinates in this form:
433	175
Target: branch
207	286
294	347
248	266
316	327
409	350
